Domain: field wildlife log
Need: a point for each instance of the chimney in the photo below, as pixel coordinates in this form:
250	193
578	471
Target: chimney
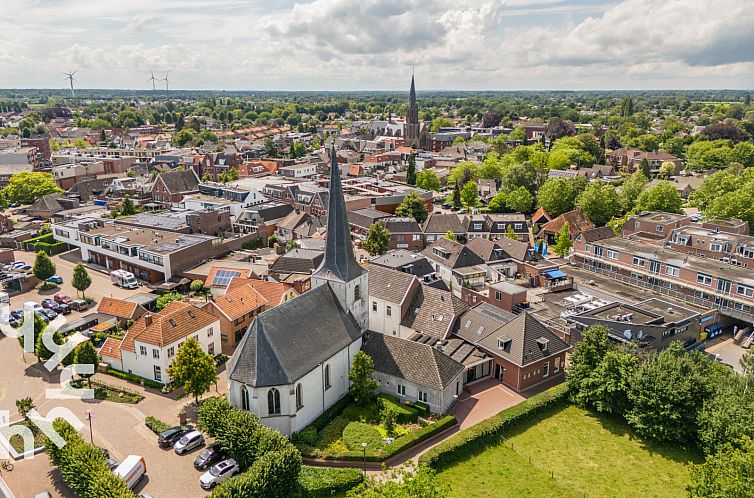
148	319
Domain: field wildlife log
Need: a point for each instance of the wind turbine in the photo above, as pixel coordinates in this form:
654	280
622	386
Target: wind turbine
153	79
167	82
69	77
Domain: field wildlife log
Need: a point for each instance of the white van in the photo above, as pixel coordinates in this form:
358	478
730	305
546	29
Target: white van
4	297
131	470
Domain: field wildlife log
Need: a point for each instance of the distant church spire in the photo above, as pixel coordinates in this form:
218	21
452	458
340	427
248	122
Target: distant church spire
339	262
411	127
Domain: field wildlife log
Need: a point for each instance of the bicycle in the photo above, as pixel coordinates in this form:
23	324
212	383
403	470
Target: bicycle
7	465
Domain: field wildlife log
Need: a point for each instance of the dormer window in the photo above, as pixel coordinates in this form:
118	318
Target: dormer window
543	344
504	343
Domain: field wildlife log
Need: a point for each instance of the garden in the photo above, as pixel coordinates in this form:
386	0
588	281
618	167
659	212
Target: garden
385	424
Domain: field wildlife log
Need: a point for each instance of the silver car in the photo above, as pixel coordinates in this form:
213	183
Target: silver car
218	473
188	442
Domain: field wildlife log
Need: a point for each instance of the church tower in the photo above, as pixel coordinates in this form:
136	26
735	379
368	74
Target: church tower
339	268
411	127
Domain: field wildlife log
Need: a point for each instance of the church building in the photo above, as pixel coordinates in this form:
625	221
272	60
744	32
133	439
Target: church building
293	362
414	133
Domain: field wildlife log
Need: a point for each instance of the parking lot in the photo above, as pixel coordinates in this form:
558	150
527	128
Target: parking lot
118	427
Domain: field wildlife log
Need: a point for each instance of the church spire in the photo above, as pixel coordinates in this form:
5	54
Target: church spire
339	262
412	92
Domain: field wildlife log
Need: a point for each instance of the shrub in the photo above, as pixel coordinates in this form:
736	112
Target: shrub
155	425
471	441
415	437
331	413
307	437
388	421
315	482
356	433
422	408
406	414
274	474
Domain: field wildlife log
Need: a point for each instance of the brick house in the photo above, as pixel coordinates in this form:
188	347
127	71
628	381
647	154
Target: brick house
169	188
235	310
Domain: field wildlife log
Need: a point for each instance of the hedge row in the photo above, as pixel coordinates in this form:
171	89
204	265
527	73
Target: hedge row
51	249
134	378
83	466
475	439
316	482
330	414
155	425
47	238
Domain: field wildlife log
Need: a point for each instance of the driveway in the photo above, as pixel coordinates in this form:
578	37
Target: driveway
728	352
487	398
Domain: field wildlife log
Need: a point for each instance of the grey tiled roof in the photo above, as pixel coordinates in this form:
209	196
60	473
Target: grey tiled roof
442	224
180	181
459	256
288	341
389	285
433	312
418	363
523	332
363	218
297	261
339	262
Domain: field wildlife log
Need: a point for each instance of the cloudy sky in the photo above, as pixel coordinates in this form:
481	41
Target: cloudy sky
373	44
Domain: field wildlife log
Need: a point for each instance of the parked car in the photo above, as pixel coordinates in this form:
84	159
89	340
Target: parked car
55	279
17	265
188	442
78	305
62	299
209	456
219	473
48	303
26	268
17	314
63	309
169	437
49	314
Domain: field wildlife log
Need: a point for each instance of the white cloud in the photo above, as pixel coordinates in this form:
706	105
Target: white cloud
363	44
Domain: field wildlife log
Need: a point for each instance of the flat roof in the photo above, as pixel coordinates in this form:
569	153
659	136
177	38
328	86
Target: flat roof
661	216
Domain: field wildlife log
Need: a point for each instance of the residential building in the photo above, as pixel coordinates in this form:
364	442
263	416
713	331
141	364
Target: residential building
654	224
236	309
414	372
437	225
123	311
577	223
152	343
170	188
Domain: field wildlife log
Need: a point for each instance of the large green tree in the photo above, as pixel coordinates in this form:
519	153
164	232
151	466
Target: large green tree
427	179
168	298
599	202
412	206
667	394
27	186
728	415
81	279
520	201
558	195
661	197
377	240
85	354
563	242
632	187
362	384
193	369
728	473
43	268
587	356
470	195
411	170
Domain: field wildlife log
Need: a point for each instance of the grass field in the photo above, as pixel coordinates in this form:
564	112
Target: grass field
571	452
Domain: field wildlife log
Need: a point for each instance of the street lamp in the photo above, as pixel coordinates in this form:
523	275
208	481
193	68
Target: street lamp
364	448
89	418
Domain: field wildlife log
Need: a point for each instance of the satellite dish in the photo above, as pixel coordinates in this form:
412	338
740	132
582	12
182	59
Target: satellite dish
627	334
640	334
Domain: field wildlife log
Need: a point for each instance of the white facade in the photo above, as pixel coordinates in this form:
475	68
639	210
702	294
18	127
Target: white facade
352	296
151	361
315	395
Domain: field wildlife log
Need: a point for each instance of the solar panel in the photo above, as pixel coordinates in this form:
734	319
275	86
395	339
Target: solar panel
222	277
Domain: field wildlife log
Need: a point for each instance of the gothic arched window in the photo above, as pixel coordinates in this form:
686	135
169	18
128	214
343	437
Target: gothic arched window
244	398
356	293
273	402
327	376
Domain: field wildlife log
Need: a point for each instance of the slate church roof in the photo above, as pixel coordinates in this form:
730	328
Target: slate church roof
286	342
339	263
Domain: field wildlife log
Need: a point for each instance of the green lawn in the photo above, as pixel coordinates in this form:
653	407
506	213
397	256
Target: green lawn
588	454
